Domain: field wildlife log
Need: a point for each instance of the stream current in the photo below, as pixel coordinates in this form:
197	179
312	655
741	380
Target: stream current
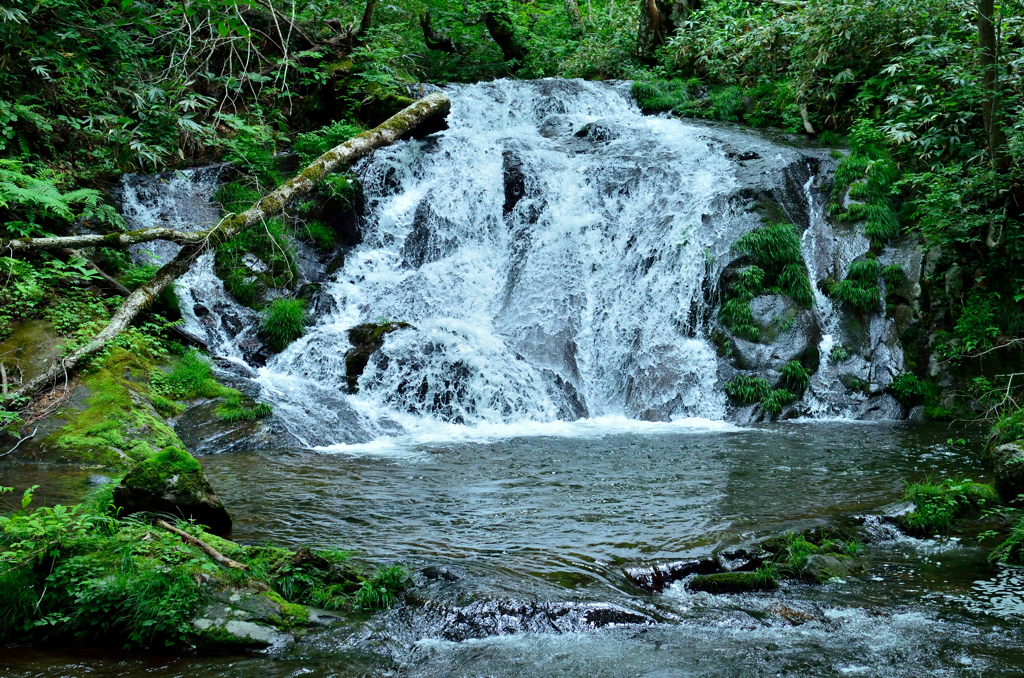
555	420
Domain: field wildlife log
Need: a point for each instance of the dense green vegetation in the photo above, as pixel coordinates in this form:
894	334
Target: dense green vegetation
80	573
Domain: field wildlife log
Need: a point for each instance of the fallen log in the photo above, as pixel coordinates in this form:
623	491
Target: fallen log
203	546
194	244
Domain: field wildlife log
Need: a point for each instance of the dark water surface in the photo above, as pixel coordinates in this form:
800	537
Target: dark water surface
534	526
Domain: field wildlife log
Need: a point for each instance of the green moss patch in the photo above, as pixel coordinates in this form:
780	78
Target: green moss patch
173	462
763	579
938	505
119	424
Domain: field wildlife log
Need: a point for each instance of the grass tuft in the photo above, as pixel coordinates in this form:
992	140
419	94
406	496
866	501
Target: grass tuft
283	322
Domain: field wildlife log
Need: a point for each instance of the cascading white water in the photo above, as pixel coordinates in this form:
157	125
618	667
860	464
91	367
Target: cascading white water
584	298
558	255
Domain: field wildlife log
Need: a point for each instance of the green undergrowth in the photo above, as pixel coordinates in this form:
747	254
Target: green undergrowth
1011	551
776	267
768	104
258	259
282	322
909	388
795	377
939	504
748	390
867	176
191	378
263	257
859	289
80	574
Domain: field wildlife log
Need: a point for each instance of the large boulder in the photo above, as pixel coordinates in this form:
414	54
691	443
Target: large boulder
1008	469
172	482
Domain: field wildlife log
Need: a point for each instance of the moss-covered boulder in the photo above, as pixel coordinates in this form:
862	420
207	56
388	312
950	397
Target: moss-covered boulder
1008	469
172	482
821	567
112	416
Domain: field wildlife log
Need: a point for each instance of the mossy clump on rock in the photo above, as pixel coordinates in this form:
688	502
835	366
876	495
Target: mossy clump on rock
762	579
113	417
938	505
172	482
283	322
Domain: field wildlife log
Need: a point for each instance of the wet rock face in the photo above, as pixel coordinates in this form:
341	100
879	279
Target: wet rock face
366	340
427	242
788	332
173	482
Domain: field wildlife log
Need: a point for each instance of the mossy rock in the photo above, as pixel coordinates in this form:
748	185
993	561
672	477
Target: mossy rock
112	417
733	582
172	482
822	567
1008	469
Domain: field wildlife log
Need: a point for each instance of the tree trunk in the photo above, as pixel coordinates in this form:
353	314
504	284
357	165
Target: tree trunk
433	39
390	131
503	31
659	21
994	136
367	22
575	17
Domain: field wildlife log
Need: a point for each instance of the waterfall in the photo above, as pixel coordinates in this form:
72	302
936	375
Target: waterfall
557	255
555	251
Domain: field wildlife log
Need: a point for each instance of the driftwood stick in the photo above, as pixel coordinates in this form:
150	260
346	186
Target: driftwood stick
273	203
200	544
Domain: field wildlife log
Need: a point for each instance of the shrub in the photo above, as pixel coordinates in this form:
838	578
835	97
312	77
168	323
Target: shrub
1011	551
860	288
908	388
78	572
795	376
776	400
775	248
938	505
283	322
746	389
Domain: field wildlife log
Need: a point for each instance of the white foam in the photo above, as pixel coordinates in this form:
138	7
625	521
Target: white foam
423	433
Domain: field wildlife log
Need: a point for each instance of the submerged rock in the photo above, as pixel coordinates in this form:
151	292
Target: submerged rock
824	566
172	482
659	577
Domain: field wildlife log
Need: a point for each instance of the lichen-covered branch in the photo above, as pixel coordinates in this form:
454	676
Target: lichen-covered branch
273	203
